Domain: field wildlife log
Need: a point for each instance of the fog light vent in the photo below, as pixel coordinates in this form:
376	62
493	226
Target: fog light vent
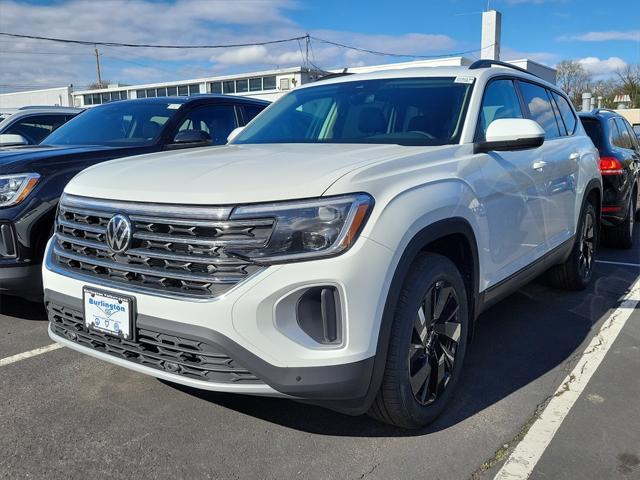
319	315
7	243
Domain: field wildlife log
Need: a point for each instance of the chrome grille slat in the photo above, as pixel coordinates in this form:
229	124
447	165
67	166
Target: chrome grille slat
144	271
86	227
169	254
202	223
196	241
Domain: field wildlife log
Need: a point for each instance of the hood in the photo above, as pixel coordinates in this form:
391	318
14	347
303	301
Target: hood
34	158
231	174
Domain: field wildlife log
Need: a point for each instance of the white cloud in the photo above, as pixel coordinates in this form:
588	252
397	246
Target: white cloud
602	68
171	22
604	36
546	58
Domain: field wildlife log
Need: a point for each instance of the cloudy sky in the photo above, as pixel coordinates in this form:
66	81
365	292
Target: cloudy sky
602	35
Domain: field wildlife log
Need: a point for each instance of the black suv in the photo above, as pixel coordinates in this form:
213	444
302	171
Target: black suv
32	178
620	167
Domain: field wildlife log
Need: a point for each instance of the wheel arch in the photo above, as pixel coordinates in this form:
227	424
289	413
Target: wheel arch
451	237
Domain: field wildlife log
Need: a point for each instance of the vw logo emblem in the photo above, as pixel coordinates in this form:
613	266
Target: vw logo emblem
119	233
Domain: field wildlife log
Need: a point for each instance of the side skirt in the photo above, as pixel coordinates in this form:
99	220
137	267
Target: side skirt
509	285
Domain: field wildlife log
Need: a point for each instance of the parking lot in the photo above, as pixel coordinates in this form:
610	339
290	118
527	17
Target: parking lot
65	415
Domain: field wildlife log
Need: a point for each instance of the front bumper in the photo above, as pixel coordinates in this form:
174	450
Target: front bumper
21	280
253	325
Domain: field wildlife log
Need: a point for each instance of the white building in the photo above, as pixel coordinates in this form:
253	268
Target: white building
267	85
61	96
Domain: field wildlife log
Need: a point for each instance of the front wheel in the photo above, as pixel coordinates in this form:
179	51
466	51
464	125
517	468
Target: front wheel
427	345
576	272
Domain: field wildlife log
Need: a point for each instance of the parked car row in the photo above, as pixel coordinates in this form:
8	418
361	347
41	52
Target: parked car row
33	178
30	125
338	250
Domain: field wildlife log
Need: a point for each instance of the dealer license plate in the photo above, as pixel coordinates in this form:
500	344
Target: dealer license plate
108	313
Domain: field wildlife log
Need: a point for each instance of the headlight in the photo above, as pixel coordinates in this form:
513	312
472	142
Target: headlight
14	188
307	229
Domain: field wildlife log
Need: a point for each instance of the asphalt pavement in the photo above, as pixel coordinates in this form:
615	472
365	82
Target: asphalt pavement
66	415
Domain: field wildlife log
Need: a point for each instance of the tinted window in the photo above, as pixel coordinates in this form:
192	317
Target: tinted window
556	112
566	112
632	136
537	100
115	124
500	101
624	138
594	129
229	86
407	111
242	86
217	121
250	111
255	84
216	87
183	90
268	83
36	128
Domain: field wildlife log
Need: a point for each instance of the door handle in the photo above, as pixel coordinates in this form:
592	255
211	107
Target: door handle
538	164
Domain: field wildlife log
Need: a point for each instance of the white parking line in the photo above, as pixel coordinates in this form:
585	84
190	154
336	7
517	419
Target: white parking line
525	456
624	264
29	354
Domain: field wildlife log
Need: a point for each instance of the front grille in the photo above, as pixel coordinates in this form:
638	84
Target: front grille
180	251
172	354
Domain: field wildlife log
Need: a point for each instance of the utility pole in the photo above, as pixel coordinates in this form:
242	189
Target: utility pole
98	68
307	40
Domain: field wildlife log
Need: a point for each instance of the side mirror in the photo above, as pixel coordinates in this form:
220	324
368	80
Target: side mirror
190	138
507	134
234	133
10	139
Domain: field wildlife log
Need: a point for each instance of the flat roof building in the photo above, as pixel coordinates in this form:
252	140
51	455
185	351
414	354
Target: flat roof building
265	85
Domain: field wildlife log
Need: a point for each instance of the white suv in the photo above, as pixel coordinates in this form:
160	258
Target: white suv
340	249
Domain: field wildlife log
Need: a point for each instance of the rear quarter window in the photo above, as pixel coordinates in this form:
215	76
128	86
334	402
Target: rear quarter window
566	112
593	127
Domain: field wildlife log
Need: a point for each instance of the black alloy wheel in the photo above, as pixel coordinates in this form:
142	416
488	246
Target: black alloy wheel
434	343
587	245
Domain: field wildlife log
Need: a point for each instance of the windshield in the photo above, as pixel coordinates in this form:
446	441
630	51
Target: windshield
406	111
123	124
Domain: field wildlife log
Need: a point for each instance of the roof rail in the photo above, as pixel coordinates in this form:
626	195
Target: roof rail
486	63
343	73
595	111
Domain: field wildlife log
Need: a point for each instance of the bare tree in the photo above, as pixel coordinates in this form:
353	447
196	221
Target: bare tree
98	86
629	77
607	89
573	79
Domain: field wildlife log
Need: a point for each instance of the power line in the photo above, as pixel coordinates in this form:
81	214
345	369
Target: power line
148	45
398	55
307	38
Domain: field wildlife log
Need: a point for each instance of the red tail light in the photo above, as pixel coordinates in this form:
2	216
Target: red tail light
610	166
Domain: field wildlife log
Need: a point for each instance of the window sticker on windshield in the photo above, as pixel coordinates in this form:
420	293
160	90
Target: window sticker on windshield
464	80
173	106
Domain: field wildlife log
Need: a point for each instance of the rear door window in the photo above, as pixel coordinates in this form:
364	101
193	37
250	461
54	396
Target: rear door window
35	128
251	111
217	121
623	140
540	110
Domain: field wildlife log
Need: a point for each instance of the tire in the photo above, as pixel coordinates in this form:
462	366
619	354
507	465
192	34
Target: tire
433	286
576	272
621	236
